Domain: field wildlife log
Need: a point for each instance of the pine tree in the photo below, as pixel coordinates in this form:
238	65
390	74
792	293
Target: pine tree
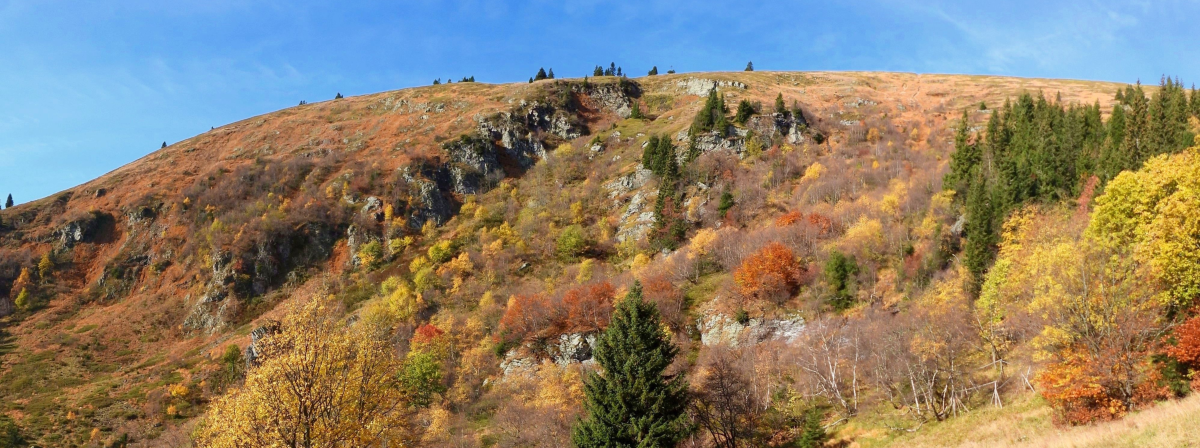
619	72
530	80
750	66
338	96
780	108
612	69
541	74
653	71
965	159
636	113
633	403
812	434
550	74
980	231
439	81
744	111
164	145
9	202
598	71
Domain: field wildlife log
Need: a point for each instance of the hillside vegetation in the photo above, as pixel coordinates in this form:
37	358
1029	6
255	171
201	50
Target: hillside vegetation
724	259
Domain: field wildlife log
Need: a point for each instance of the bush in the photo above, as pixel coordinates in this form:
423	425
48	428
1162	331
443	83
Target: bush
441	252
773	273
571	242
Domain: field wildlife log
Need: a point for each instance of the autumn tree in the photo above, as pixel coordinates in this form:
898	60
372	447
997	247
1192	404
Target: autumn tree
724	403
772	273
632	401
318	384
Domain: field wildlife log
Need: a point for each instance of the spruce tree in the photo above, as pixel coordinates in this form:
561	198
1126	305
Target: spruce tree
750	66
636	113
633	403
9	202
1194	104
612	69
598	71
541	74
338	96
744	111
980	230
653	71
530	81
1134	147
780	108
619	73
550	74
812	434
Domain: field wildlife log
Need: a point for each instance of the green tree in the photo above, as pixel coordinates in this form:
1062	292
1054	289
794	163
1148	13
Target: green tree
653	71
965	158
598	71
812	434
744	111
636	113
633	402
725	203
750	66
541	74
571	242
840	271
9	202
980	232
780	108
550	74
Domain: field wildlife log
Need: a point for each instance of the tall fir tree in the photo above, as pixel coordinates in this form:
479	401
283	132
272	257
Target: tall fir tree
980	232
1112	160
633	402
550	74
965	159
541	74
1194	103
750	66
1135	148
9	202
780	108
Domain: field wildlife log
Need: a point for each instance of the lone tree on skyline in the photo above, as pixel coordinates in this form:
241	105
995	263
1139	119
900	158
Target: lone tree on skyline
750	66
653	71
8	203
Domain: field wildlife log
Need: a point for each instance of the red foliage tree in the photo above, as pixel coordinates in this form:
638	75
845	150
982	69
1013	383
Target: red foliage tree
772	273
588	307
789	218
669	299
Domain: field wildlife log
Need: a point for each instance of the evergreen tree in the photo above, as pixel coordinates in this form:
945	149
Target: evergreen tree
633	403
1194	104
541	74
1135	148
439	81
619	72
653	71
550	74
9	202
750	66
1112	160
530	80
612	69
744	111
598	71
780	108
980	231
965	159
812	434
636	113
338	96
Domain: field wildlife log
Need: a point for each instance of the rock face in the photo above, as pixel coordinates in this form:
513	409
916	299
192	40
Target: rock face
719	329
252	350
82	230
701	86
567	349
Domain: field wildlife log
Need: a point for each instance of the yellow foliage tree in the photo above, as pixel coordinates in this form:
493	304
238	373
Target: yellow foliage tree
1153	211
319	384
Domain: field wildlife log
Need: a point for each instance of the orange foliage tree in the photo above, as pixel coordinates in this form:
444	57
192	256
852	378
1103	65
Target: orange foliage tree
1186	349
588	307
772	273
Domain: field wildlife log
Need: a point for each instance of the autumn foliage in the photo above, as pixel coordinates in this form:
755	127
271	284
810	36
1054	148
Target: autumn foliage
582	309
772	273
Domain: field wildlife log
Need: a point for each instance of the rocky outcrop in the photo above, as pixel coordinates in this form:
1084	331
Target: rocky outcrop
565	350
82	230
720	329
701	86
253	352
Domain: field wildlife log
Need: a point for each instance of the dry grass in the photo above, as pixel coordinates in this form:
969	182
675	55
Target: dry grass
1026	423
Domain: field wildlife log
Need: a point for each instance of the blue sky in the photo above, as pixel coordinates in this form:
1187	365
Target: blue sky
86	87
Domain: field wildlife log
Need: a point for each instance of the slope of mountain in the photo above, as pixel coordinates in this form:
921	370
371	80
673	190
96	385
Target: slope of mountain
133	286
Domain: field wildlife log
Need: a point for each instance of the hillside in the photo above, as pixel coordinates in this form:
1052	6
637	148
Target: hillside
479	210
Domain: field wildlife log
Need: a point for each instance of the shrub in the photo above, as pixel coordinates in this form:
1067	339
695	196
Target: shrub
571	242
441	251
370	254
772	273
